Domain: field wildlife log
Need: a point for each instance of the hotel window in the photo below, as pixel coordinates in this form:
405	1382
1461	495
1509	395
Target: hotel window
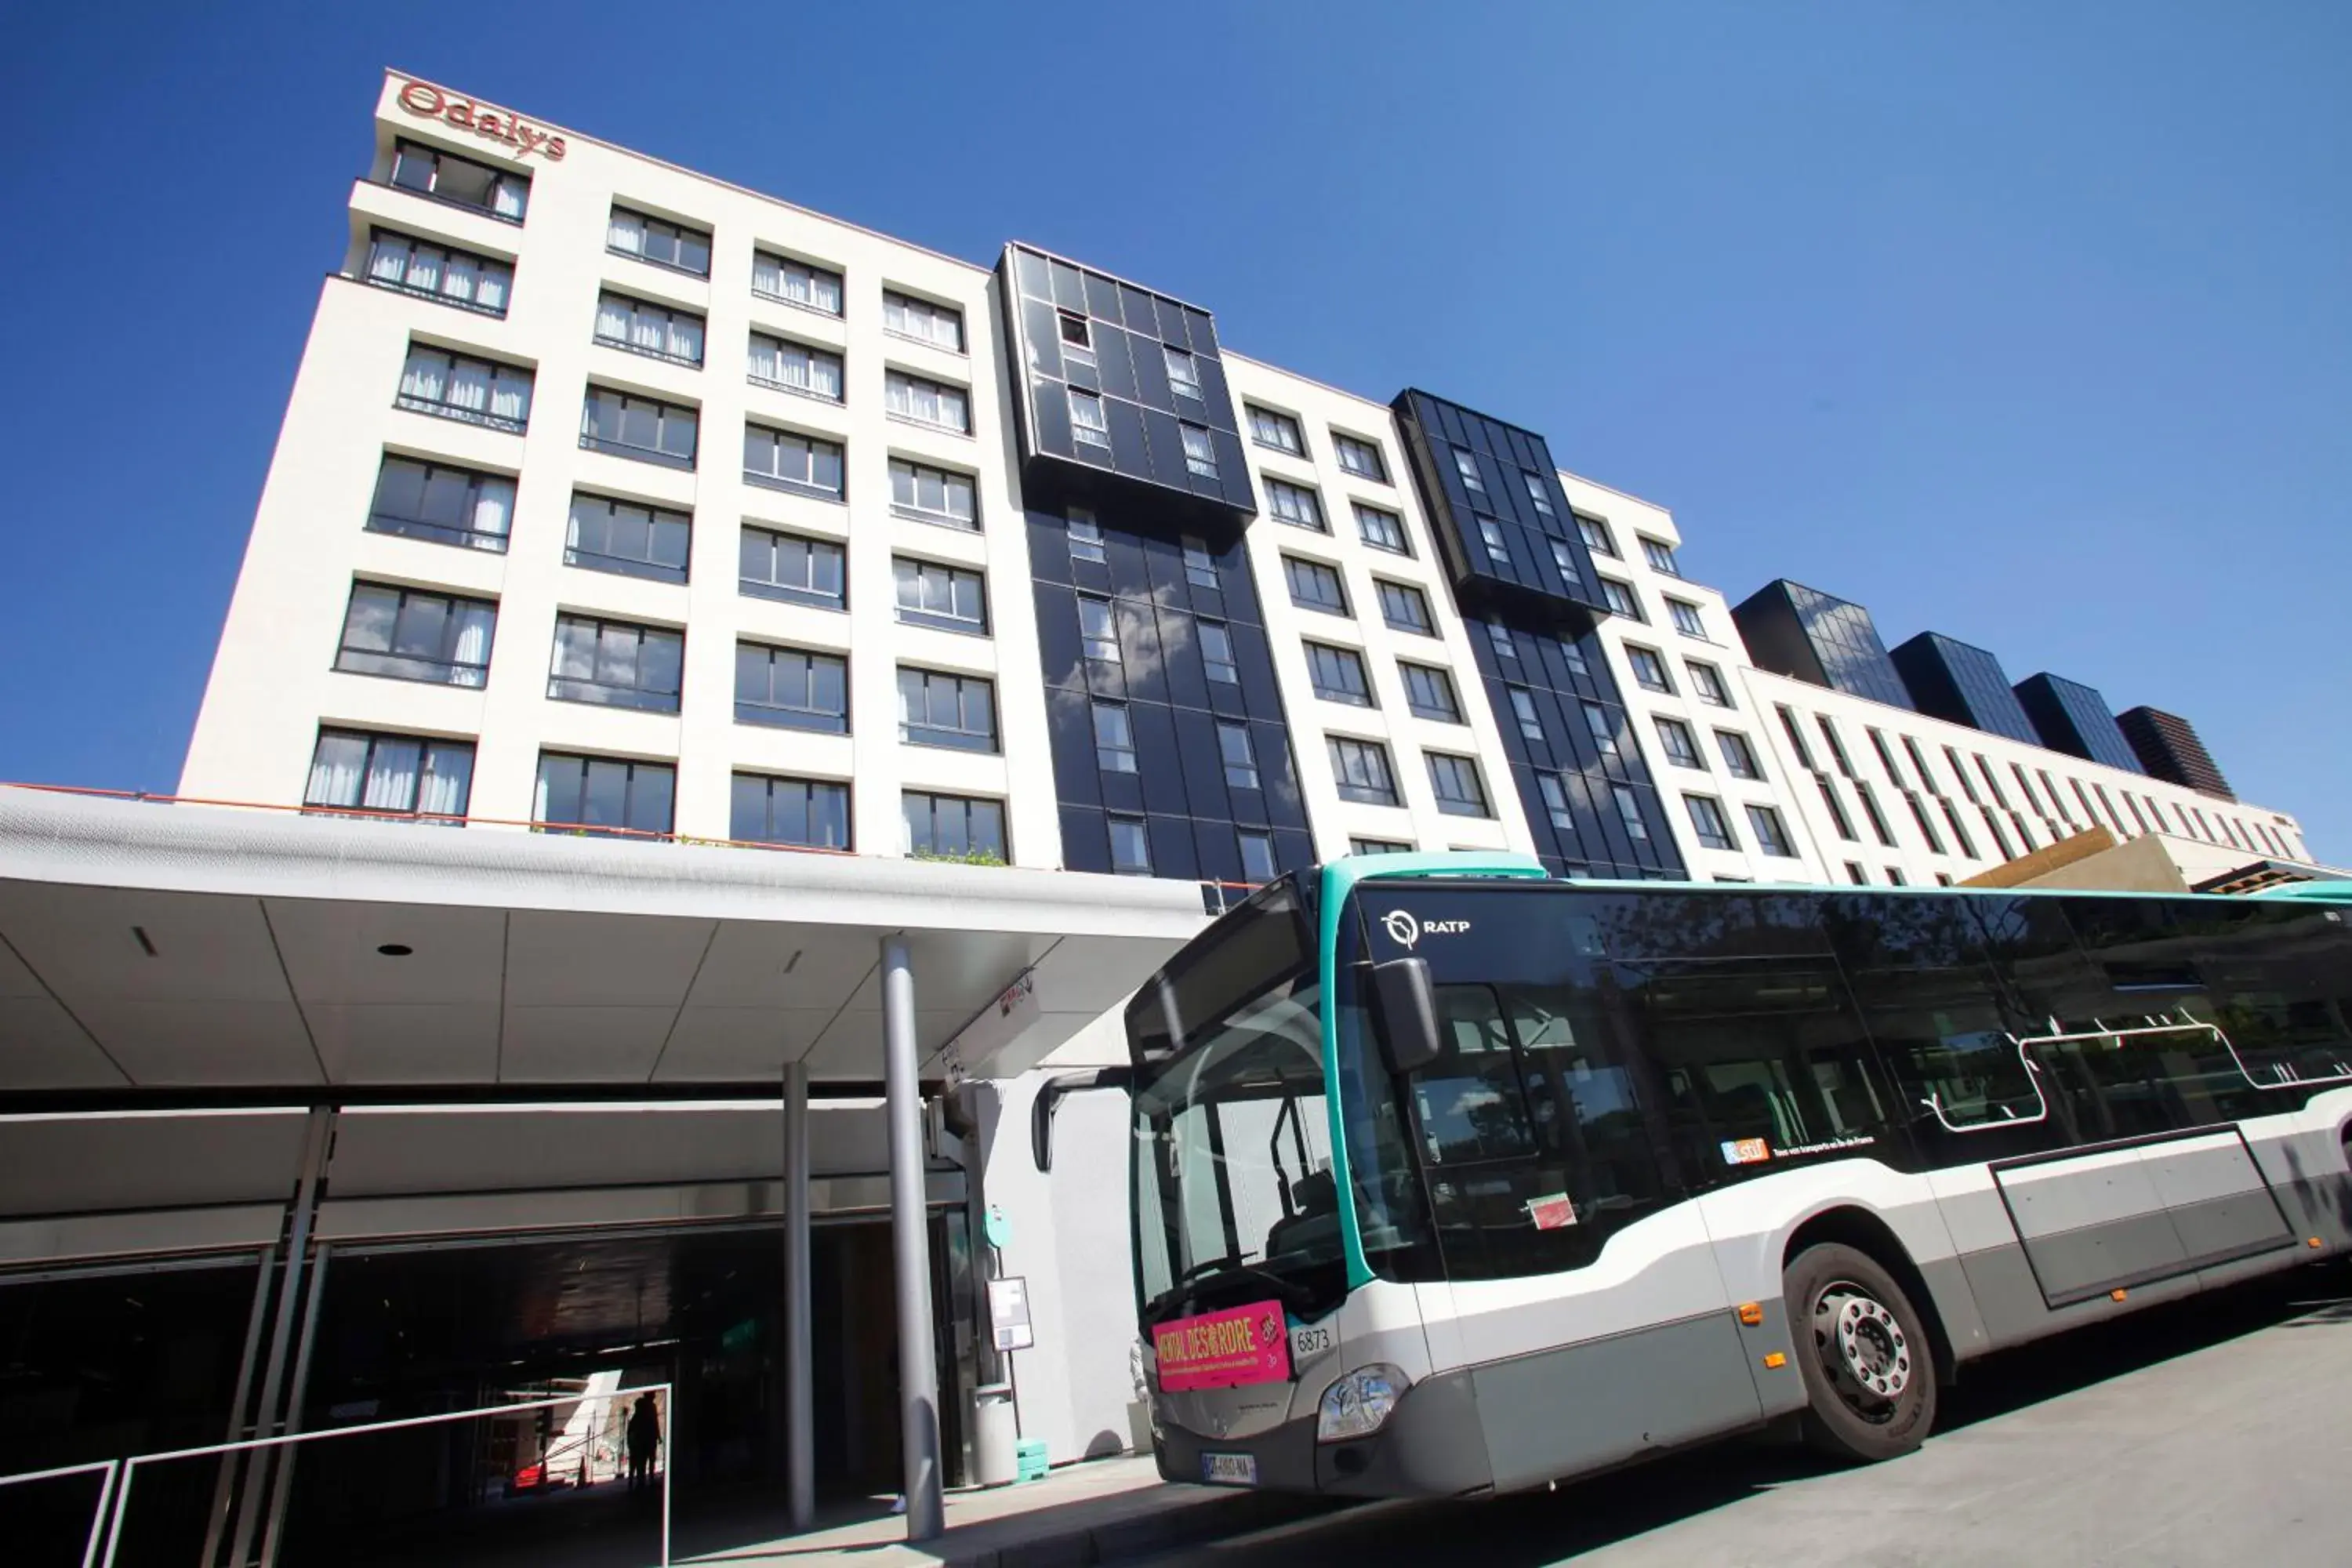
798	283
1772	834
1217	652
1405	607
1097	629
1523	710
1565	559
409	634
1603	727
952	827
1619	598
1337	675
1506	645
783	460
1466	465
1360	459
1595	534
1293	504
1200	450
502	193
1709	682
604	797
1429	692
1239	756
1114	738
1200	566
904	316
1183	375
442	504
1460	790
454	386
936	709
1856	874
439	272
1679	744
1258	863
626	539
1077	338
923	402
639	427
810	813
945	598
1661	556
1381	530
1490	534
927	494
1959	831
1629	811
1555	799
1279	431
796	570
1649	670
1378	847
1360	769
1086	536
1313	586
616	664
402	774
657	331
1708	821
1089	427
1738	756
1838	818
1538	493
1130	847
782	365
675	245
1687	619
792	688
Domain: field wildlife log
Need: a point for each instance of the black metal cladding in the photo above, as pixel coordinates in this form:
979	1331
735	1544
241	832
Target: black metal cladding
1793	630
1132	332
2074	719
1949	678
2167	747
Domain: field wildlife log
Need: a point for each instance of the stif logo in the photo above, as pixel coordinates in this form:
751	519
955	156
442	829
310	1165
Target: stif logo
1406	930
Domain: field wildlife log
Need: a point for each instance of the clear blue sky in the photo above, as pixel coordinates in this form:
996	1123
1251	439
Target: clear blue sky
2030	322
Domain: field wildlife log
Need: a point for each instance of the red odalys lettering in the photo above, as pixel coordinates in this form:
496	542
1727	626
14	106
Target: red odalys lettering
424	99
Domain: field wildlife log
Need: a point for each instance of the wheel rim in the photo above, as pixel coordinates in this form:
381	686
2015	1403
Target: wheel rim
1862	1348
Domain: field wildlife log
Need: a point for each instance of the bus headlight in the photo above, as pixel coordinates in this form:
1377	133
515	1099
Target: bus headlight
1357	1405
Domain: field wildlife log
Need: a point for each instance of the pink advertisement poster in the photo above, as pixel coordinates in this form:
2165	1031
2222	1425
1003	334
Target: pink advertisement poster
1223	1349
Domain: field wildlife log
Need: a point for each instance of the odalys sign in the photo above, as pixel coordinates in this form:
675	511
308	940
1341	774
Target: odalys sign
425	100
1223	1349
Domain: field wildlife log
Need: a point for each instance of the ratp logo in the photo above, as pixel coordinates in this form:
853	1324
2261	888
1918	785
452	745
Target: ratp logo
1404	929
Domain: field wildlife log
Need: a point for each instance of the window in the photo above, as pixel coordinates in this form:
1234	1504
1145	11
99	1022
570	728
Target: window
1114	738
801	283
1293	504
1595	534
396	775
1838	818
639	427
616	664
1217	652
1240	757
1602	726
659	241
409	634
604	797
1200	450
1661	556
1097	629
1405	607
1490	534
1687	619
1360	769
1466	465
1077	338
1565	559
1337	674
1708	680
656	331
1878	819
1460	790
1649	669
1313	586
927	494
941	326
501	194
952	827
439	272
1506	645
1279	431
1378	847
626	539
796	570
946	598
810	813
442	504
1381	530
919	401
1429	692
1738	756
1130	847
936	709
1200	566
1629	811
1361	458
1523	709
1538	492
1959	832
454	386
1258	863
1086	537
1856	874
1619	599
1676	739
1555	798
1894	877
782	365
1183	375
1088	424
786	460
1708	821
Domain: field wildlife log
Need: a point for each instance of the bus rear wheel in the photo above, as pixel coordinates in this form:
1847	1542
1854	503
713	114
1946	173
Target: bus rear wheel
1869	1377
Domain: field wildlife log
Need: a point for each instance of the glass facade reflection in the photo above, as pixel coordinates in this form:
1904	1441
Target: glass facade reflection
1794	630
1947	679
2072	718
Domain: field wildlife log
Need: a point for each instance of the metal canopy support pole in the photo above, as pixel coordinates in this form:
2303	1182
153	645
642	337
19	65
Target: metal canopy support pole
919	1385
800	1397
318	1139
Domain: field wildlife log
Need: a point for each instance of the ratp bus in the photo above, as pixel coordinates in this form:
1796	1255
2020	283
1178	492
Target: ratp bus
1452	1178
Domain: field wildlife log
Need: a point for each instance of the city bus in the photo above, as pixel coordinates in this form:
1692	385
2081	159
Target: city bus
1453	1178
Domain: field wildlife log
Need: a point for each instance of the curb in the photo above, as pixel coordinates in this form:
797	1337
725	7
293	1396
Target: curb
1188	1524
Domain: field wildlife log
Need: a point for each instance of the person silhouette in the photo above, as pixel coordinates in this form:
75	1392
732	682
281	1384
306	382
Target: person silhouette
645	1440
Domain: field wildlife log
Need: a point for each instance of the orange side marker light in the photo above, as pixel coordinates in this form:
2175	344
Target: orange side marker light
1774	1360
2312	1241
1751	1313
2117	1295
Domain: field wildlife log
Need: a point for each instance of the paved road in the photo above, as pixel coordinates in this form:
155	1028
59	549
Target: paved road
2208	1433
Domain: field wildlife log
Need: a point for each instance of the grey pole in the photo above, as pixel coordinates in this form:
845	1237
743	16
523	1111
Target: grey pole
799	1398
918	1383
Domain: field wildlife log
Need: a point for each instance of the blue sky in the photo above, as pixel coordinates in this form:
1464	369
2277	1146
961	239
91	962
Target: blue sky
2030	323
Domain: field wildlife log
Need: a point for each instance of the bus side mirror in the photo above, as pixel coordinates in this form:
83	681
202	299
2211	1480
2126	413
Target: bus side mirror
1405	1007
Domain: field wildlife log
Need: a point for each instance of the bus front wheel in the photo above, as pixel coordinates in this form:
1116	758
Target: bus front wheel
1869	1377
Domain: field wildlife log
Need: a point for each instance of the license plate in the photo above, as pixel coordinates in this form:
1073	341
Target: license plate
1229	1469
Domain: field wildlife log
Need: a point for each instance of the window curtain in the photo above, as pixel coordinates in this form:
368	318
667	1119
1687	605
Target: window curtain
611	319
648	330
388	259
507	197
460	276
625	231
490	287
336	768
685	338
511	397
471	650
469	386
448	781
493	511
424	376
392	775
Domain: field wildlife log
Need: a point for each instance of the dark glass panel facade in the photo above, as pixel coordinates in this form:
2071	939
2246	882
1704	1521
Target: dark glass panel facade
1949	678
2168	749
2072	718
1794	630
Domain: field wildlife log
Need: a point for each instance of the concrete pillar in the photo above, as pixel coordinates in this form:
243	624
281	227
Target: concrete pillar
799	1398
919	1385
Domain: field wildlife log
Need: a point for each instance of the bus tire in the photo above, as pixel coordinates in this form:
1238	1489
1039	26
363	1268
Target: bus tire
1870	1373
